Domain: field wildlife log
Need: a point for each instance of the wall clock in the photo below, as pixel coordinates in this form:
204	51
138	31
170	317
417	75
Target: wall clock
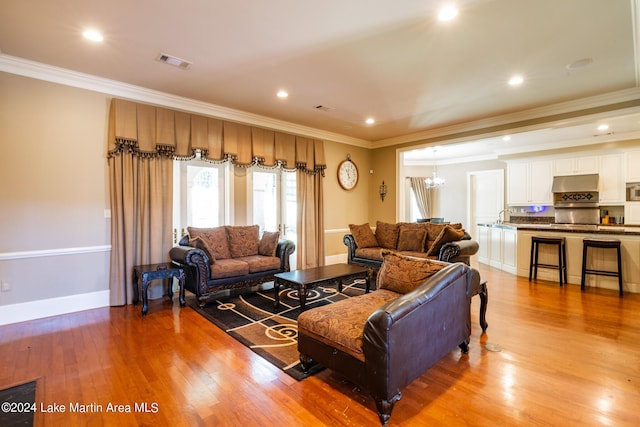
348	174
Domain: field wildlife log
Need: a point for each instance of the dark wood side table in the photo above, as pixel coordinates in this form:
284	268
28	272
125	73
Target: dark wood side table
143	274
305	280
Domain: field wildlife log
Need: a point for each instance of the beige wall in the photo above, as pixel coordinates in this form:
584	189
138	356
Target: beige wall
54	192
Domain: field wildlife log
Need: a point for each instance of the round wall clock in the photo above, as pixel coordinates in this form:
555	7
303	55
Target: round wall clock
348	174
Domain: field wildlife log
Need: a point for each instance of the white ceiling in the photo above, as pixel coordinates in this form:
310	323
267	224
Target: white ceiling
390	60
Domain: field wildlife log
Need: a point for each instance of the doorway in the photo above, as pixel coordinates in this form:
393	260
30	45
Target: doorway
485	197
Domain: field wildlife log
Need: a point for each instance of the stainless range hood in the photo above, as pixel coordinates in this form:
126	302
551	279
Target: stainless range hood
575	183
576	199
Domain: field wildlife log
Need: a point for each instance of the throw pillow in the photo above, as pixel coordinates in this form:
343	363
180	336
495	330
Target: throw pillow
216	239
268	243
200	243
411	239
448	234
403	274
363	235
243	240
387	234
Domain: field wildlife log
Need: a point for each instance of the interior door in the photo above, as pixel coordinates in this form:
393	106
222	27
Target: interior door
486	197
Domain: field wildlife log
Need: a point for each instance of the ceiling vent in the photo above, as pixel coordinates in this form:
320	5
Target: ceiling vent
322	108
176	62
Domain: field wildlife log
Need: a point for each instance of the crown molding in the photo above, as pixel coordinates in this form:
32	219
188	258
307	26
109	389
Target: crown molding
15	65
532	119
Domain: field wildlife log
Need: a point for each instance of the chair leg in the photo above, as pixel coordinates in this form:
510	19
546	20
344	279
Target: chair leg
564	262
584	266
560	263
531	260
619	269
535	269
484	300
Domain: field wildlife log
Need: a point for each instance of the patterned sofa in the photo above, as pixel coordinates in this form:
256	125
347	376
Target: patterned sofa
229	257
384	339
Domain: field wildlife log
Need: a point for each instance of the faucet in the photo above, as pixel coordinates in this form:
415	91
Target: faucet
500	220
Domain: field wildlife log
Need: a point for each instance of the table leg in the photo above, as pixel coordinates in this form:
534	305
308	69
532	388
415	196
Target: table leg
367	283
136	295
170	287
276	294
145	298
302	296
181	280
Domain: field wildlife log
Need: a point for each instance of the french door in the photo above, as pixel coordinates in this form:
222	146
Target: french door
274	205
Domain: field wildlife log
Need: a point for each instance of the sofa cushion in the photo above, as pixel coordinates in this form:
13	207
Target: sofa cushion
411	239
341	325
258	263
243	240
370	253
228	268
268	243
448	234
387	234
402	274
215	238
433	232
363	235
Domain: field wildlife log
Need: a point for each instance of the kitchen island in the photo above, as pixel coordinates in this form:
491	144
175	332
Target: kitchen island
508	246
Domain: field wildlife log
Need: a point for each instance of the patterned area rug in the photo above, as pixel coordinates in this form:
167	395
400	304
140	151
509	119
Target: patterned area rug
18	401
273	334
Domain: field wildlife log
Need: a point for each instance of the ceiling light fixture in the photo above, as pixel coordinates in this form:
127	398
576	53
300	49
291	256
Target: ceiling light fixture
603	127
516	80
282	94
370	121
93	35
506	138
447	13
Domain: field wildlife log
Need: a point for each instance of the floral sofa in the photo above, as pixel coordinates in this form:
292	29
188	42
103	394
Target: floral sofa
229	257
384	339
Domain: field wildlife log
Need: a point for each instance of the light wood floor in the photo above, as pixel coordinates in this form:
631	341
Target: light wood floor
568	359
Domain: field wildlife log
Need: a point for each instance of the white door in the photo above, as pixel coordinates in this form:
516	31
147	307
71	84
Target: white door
273	203
485	197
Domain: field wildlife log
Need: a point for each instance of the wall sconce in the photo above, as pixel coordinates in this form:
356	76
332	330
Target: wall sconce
382	190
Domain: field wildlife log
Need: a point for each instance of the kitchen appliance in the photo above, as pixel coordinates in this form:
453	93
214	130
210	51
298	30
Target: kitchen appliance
576	199
633	191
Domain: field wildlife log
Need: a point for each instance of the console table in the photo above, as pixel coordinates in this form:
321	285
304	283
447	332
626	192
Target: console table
143	274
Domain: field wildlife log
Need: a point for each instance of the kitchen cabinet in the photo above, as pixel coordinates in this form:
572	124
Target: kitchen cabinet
580	165
529	183
632	161
632	213
611	180
498	245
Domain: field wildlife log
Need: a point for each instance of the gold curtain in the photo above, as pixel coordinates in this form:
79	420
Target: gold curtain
142	143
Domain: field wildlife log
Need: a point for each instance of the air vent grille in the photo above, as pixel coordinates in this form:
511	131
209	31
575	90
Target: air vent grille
176	62
322	107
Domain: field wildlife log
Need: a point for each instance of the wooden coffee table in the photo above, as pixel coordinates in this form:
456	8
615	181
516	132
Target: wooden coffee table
305	280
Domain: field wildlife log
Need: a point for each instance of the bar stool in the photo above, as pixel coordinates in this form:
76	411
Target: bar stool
536	241
604	244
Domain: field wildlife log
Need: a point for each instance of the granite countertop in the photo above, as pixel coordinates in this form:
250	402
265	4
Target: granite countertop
571	228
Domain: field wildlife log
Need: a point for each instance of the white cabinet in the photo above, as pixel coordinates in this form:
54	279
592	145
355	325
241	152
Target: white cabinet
580	165
529	183
498	247
633	165
632	213
611	180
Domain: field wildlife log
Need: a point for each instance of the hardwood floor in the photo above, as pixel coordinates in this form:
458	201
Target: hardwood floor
567	358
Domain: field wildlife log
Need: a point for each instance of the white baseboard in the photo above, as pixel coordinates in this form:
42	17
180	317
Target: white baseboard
31	310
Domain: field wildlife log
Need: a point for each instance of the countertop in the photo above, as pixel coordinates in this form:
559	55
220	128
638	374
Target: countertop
571	228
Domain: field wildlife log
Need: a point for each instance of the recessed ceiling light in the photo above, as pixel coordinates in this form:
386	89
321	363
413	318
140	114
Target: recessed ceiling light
93	35
447	13
603	127
516	80
506	138
370	121
282	94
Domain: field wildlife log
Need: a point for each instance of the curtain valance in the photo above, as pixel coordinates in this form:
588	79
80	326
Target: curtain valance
149	131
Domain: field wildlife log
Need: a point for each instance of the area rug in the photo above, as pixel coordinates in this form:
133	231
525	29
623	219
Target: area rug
273	334
18	404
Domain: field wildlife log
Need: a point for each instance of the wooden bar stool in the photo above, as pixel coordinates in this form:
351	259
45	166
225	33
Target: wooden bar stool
536	241
604	244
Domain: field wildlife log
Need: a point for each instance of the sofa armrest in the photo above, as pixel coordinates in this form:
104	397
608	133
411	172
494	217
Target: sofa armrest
461	248
408	335
195	263
350	243
283	251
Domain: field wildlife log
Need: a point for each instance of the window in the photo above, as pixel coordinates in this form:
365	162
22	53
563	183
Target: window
200	192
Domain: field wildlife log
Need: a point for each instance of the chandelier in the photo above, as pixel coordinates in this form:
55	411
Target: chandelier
434	180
